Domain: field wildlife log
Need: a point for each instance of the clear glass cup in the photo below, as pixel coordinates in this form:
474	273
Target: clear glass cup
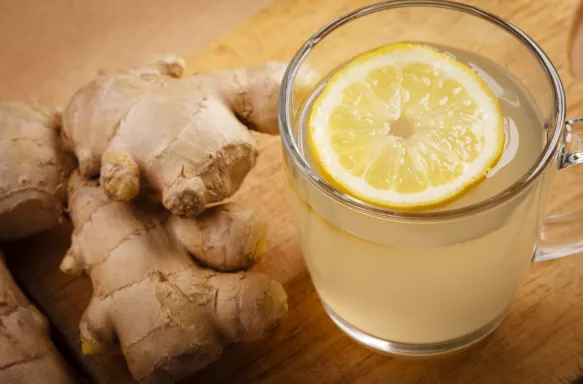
427	283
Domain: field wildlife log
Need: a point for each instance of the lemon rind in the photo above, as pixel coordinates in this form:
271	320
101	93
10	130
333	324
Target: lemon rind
408	53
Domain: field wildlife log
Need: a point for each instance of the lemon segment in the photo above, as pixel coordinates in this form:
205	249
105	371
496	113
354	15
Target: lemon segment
405	126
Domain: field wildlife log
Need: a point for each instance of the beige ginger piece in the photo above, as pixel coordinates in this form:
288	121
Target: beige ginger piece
33	169
188	138
33	172
27	355
171	315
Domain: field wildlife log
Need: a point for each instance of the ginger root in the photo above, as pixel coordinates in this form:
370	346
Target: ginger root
33	172
171	315
33	169
187	138
26	352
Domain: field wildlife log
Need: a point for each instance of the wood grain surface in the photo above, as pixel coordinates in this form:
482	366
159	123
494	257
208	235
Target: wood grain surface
541	341
51	48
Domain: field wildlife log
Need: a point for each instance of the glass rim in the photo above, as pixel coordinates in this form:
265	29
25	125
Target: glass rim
548	152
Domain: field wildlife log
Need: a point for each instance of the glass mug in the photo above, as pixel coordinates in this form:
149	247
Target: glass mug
426	283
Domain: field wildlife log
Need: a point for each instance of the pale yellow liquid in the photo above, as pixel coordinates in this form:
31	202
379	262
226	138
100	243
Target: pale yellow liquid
428	282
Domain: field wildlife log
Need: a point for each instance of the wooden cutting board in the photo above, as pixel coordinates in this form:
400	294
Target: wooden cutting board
541	341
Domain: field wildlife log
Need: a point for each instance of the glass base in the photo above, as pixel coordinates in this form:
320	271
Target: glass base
414	350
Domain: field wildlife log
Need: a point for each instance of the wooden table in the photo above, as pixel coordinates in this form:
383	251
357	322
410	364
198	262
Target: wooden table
541	341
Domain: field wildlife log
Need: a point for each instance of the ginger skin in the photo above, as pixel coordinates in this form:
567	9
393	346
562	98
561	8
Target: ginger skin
33	169
171	315
187	138
27	355
33	172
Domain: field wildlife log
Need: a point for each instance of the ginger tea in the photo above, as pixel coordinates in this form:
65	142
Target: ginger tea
420	282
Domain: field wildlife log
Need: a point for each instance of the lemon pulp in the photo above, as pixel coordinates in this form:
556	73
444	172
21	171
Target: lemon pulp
405	126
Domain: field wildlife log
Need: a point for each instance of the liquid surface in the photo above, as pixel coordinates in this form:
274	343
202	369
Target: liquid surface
523	125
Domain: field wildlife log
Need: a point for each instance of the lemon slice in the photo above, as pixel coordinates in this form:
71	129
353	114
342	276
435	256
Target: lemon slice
405	126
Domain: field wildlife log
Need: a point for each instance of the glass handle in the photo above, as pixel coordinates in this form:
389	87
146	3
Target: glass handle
573	151
562	234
